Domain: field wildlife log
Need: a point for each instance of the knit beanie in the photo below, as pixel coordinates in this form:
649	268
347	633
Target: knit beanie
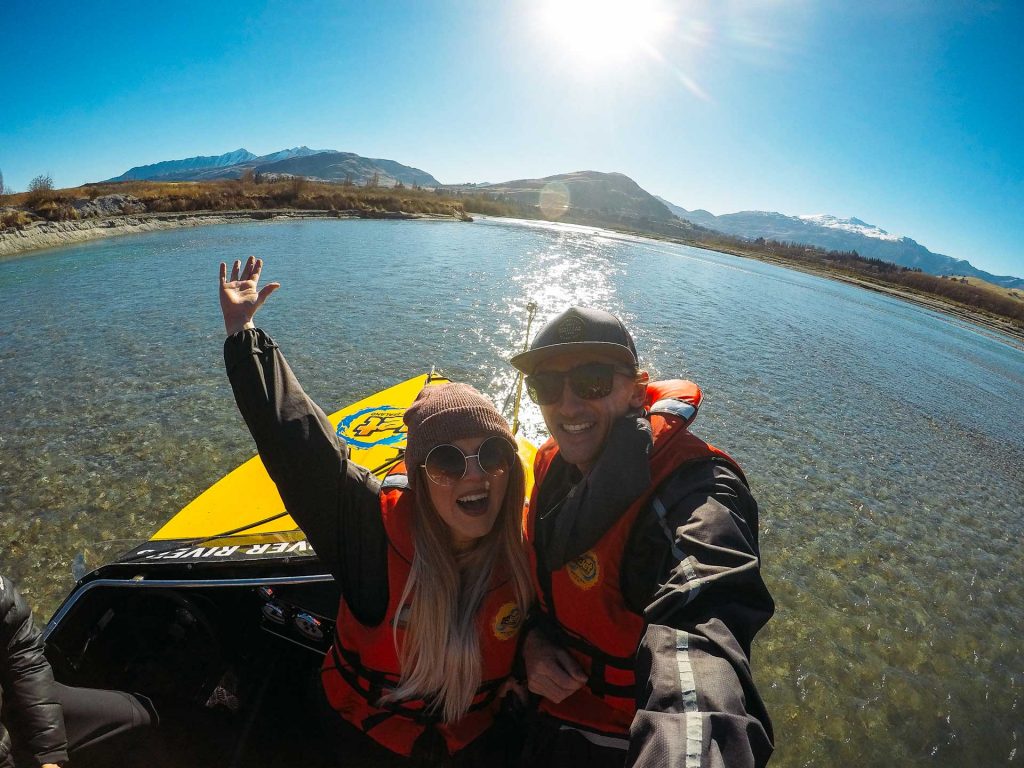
446	413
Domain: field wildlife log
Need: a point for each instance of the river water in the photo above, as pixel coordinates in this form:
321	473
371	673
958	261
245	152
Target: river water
884	442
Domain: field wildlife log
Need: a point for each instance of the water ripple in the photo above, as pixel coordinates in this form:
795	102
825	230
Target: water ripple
885	443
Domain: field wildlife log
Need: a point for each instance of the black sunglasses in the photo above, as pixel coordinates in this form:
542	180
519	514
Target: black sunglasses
590	381
446	464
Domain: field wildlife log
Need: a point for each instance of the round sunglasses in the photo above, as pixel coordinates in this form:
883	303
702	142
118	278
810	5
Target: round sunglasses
446	464
590	381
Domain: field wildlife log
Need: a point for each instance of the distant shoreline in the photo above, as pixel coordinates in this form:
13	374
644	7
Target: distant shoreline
46	234
929	301
43	235
963	312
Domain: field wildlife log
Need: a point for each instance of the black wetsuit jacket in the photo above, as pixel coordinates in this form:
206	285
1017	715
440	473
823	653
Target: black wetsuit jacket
693	573
335	501
27	701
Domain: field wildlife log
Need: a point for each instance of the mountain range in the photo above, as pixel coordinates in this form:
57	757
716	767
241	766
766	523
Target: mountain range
583	193
839	234
321	164
580	196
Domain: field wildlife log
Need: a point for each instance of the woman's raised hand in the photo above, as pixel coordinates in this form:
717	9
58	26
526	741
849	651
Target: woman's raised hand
239	298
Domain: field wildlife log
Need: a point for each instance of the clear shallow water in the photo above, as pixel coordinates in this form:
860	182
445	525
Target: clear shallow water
884	442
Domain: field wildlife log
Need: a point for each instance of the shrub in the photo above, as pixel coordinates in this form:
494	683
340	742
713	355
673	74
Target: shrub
40	189
56	210
297	186
14	218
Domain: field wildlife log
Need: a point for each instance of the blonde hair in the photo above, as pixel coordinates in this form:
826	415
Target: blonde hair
440	658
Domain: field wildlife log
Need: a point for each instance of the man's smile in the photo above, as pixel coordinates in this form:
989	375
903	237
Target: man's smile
575	429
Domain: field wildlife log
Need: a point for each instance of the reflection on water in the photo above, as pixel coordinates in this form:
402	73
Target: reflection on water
884	442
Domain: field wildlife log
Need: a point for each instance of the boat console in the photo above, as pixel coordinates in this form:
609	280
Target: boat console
232	664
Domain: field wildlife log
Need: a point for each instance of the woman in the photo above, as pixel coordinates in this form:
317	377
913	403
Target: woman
433	577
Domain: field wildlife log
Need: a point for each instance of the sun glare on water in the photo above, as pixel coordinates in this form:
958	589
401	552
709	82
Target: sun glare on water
598	33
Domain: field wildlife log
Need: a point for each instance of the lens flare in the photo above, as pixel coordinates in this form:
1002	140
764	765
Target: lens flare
554	200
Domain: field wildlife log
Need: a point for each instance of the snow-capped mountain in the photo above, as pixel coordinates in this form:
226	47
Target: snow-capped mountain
856	226
839	234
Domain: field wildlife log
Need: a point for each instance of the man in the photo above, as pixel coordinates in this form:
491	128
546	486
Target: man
35	707
645	554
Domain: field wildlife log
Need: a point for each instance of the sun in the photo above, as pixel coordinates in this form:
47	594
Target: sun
605	32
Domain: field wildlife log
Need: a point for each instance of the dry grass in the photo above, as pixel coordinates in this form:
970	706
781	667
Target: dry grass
14	219
242	196
249	195
299	193
1016	294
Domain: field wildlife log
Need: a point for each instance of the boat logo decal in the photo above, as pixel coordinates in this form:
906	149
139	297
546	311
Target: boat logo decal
585	570
507	621
260	550
376	425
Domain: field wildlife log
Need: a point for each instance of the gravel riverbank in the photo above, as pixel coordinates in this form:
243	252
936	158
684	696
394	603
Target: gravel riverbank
49	234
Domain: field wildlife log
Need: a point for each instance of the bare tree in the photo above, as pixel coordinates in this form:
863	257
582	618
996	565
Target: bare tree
41	183
40	189
3	189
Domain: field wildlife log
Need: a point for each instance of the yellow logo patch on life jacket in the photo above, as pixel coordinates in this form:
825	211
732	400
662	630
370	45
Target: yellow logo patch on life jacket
507	621
585	570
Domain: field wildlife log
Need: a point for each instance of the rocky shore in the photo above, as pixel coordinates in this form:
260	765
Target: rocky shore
51	234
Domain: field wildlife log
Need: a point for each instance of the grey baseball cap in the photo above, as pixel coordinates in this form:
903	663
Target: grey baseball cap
579	329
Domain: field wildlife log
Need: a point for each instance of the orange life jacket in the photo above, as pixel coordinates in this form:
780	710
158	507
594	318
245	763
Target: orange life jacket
363	662
584	597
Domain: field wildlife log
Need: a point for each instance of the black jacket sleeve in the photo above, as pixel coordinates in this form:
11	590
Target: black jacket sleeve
334	501
698	583
33	713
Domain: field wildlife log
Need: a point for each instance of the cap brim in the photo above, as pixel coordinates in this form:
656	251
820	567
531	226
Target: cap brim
527	362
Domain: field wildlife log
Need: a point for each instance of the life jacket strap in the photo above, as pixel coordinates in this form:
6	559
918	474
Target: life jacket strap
371	684
600	661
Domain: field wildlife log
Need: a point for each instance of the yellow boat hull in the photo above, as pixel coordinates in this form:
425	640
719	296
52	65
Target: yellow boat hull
247	500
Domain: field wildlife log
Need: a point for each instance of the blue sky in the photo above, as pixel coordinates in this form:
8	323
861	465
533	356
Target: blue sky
908	115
